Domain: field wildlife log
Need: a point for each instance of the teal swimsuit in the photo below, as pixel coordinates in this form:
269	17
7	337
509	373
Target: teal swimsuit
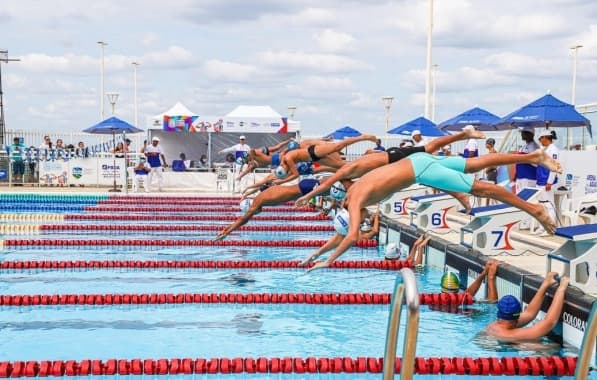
442	172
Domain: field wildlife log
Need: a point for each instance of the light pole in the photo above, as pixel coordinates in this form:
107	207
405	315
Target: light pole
102	44
575	52
135	64
433	92
428	76
112	98
291	110
387	103
3	58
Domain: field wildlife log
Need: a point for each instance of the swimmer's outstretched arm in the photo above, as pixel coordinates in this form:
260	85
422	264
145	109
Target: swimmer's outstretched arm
328	246
354	211
278	146
248	169
268	178
256	206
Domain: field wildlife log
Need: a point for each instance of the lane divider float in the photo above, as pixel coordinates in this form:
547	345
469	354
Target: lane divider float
230	218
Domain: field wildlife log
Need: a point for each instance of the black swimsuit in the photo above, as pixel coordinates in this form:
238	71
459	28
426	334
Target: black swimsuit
396	154
311	150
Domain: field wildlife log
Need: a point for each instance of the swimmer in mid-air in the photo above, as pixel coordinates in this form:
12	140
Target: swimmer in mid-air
270	197
368	162
441	172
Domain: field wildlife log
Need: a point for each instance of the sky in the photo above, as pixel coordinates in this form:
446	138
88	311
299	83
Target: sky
332	59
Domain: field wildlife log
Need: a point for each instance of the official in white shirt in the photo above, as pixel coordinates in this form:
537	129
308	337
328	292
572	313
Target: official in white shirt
418	138
546	180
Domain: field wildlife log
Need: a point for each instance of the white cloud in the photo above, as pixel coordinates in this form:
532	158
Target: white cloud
360	100
228	71
314	17
14	82
329	63
150	39
335	42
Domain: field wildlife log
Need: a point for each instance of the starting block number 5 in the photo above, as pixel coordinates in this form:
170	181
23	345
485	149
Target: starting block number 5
400	206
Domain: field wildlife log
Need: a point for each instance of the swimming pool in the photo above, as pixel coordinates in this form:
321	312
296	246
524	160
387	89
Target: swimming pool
220	330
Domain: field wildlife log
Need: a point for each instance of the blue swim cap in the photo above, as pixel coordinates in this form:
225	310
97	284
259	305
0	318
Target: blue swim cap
338	191
509	308
240	161
303	168
293	145
450	283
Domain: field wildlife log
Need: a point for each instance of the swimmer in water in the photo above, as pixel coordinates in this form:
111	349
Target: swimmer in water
442	172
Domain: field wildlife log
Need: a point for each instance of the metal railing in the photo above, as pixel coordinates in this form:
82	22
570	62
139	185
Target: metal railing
587	346
407	288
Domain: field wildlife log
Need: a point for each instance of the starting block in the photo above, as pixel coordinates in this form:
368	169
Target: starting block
395	205
430	211
579	255
489	231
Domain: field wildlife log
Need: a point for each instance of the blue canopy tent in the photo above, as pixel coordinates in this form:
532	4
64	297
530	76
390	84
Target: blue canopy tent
112	126
425	126
545	112
480	118
344	132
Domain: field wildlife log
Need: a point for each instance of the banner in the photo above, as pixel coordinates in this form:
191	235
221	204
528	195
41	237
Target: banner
178	123
53	172
108	169
578	175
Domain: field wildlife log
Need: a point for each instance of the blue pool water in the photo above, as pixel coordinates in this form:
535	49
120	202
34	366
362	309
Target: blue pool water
223	330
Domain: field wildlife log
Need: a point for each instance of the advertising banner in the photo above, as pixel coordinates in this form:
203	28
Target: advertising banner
108	169
178	123
578	176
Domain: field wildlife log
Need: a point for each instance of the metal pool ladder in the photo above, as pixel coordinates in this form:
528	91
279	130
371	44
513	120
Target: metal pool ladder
407	287
588	344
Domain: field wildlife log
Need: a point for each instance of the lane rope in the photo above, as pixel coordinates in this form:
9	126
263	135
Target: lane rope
194	217
190	209
511	366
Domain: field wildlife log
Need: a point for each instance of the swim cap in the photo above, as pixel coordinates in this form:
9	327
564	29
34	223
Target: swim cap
392	251
332	212
293	145
490	141
341	221
245	154
240	161
366	225
450	283
338	191
245	204
509	308
303	168
281	173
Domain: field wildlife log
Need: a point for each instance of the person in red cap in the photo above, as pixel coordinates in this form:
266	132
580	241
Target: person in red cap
511	323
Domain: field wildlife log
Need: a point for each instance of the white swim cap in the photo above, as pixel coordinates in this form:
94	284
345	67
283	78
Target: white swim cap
245	204
281	173
342	221
338	191
240	161
366	226
392	251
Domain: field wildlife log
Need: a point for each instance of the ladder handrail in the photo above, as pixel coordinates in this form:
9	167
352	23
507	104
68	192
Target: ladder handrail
405	289
587	346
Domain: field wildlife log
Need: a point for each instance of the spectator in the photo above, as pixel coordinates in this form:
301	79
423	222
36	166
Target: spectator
142	151
60	145
526	174
378	146
418	138
16	155
445	151
46	144
183	157
119	150
142	169
182	164
471	149
203	164
491	172
511	322
406	143
155	157
82	150
545	178
238	149
127	146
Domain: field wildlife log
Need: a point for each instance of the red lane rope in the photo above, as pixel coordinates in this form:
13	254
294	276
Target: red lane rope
193	217
189	209
534	366
438	299
174	242
208	264
157	227
144	201
170	198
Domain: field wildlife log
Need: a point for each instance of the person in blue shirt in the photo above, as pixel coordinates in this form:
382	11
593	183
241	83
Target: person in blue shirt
16	156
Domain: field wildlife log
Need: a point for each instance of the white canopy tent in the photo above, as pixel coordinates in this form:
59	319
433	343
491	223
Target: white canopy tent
178	109
261	119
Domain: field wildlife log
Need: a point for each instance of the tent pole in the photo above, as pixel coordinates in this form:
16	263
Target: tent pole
114	189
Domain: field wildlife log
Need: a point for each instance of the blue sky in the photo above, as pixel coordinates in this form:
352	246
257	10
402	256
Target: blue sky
332	59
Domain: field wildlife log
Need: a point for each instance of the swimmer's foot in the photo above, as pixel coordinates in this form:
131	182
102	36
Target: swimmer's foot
463	199
540	157
542	215
473	134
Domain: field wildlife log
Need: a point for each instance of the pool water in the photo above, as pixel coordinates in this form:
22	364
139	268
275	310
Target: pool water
80	332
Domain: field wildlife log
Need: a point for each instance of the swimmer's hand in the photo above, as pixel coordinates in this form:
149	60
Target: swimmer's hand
221	235
309	259
302	201
319	265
